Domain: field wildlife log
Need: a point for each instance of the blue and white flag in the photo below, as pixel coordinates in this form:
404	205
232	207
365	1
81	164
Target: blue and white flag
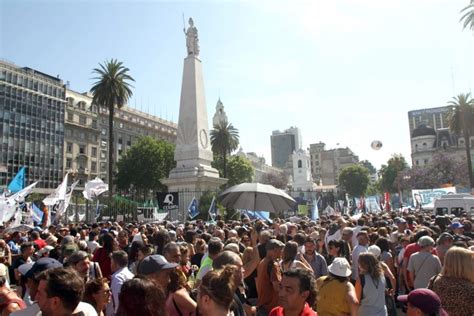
37	214
18	182
193	209
213	209
315	211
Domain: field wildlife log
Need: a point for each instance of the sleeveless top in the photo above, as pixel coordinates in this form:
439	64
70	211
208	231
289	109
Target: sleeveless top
373	296
332	299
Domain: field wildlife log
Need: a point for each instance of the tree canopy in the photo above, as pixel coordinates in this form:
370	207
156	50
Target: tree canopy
224	140
145	164
278	179
389	172
354	179
112	89
239	170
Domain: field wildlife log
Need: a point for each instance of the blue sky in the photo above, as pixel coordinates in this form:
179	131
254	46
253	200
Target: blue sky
344	71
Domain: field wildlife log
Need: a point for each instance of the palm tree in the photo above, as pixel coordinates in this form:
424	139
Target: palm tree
461	122
224	140
112	89
468	16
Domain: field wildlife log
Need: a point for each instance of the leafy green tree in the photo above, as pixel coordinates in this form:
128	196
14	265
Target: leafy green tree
389	172
461	122
369	166
468	16
354	179
224	140
278	179
240	170
112	89
145	164
374	188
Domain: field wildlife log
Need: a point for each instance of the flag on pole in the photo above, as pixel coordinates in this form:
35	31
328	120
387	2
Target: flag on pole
213	209
193	209
59	193
315	211
18	182
37	214
94	188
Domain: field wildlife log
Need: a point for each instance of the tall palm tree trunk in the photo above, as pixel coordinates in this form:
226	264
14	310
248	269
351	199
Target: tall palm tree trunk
111	152
467	142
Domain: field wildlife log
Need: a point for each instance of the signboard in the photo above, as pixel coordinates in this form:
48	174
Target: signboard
168	201
425	197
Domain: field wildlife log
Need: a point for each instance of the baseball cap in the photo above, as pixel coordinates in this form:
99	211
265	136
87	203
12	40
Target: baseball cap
400	220
456	225
424	299
444	236
154	263
274	244
426	241
41	265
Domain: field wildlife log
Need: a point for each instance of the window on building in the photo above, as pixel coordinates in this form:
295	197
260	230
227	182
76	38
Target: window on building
425	161
70	116
104	131
82	149
417	162
69	147
69	163
300	163
94	124
82	120
93	166
94	151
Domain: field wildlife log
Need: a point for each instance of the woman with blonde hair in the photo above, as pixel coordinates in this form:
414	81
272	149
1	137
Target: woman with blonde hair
455	284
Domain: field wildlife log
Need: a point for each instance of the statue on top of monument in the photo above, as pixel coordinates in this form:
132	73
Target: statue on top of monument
192	40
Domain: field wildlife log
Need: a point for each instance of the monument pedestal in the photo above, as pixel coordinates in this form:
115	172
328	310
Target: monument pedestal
193	174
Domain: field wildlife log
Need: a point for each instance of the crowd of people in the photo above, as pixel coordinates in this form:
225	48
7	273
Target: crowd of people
371	264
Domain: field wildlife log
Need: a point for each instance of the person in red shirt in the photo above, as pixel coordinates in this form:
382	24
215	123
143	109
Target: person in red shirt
35	237
296	295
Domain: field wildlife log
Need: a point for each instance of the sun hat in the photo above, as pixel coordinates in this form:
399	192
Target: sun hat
444	236
426	241
424	299
375	250
154	263
340	267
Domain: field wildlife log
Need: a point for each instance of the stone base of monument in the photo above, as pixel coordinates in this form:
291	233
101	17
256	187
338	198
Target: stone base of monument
189	188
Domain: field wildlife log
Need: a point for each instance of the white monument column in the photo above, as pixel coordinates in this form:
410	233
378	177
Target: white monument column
193	154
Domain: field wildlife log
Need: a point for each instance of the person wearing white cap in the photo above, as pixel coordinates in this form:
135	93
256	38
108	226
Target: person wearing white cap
336	294
423	265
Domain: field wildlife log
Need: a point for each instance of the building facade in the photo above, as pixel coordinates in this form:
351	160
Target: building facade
283	144
129	125
82	138
326	164
31	126
434	117
426	142
302	178
259	165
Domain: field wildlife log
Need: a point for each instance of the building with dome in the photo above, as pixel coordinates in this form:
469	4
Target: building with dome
430	134
220	116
